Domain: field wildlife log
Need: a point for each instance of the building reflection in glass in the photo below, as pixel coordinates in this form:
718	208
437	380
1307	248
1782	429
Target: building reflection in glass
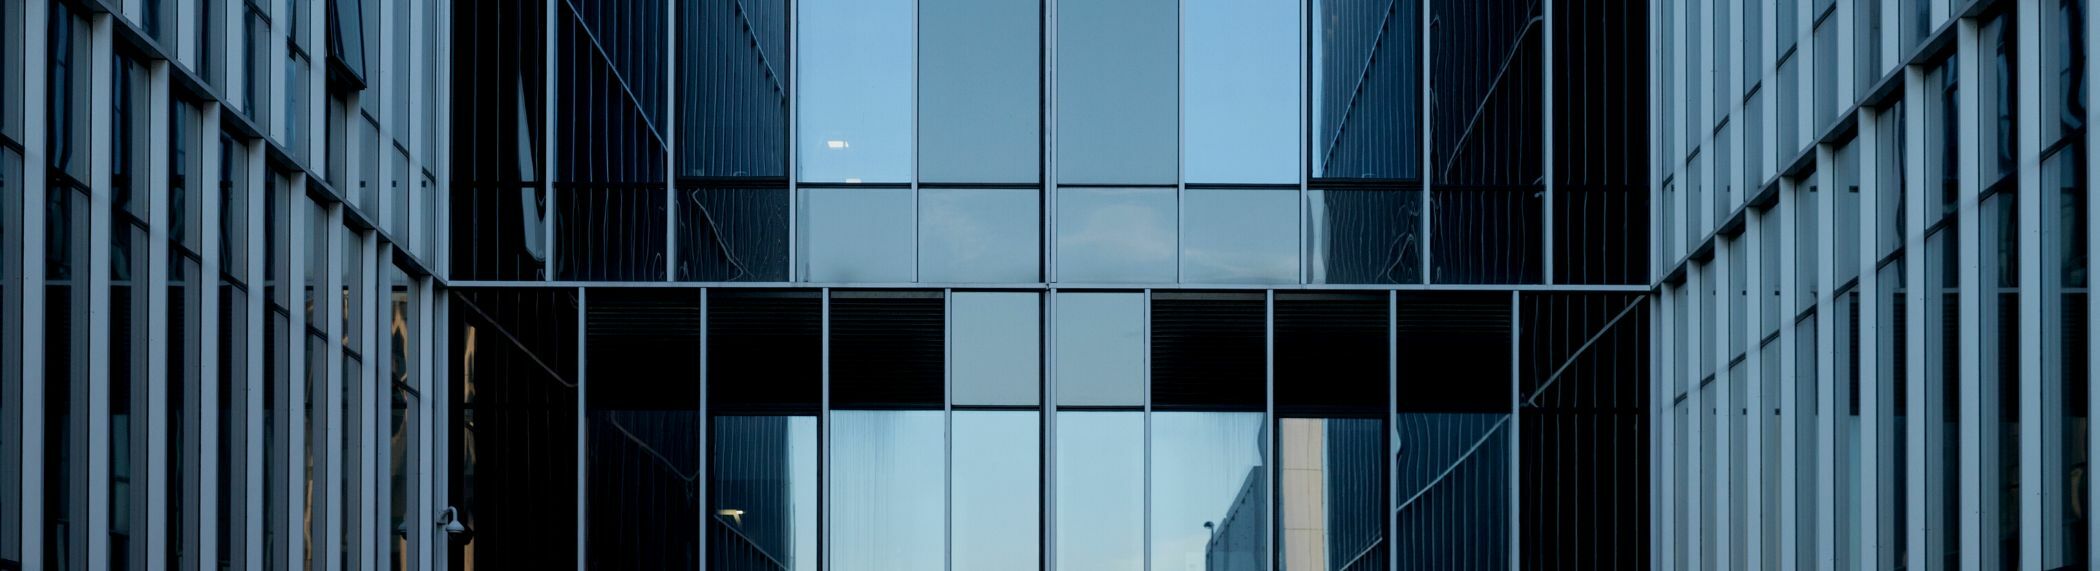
1209	491
762	513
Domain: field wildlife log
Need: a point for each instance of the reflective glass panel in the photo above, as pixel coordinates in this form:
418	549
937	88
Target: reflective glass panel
856	235
1366	89
979	235
762	506
1242	90
642	398
886	491
1209	490
995	348
1363	236
1116	90
978	90
1240	236
1116	235
1101	491
1100	349
855	67
996	490
1331	488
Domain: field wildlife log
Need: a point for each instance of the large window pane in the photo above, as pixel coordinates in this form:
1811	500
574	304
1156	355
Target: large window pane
776	347
643	397
1101	491
1242	90
886	349
1366	89
1116	235
979	235
1100	349
995	348
979	103
762	508
1241	236
1210	490
996	490
1116	90
1331	487
855	66
887	509
857	235
513	426
732	88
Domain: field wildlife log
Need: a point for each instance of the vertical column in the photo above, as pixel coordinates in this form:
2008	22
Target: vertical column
1826	356
1873	403
202	526
35	193
551	170
1696	488
1547	87
147	421
2040	332
671	36
1755	405
251	480
328	458
422	516
1925	423
583	425
1790	516
1723	406
1392	411
291	395
1978	519
1516	433
95	424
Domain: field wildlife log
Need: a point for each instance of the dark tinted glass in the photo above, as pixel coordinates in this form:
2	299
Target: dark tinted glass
887	349
733	234
643	419
777	341
513	424
732	88
1331	353
1209	351
1363	236
762	493
1366	89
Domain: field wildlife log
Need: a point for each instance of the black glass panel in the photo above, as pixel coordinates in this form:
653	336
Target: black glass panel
733	234
777	345
1209	351
1331	354
643	405
513	426
887	349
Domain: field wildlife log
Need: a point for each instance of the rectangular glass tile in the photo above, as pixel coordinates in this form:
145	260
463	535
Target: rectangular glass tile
887	511
980	235
733	234
855	65
1117	114
997	485
1101	491
995	348
979	90
762	493
1116	235
857	235
1210	490
1240	236
1243	91
1100	355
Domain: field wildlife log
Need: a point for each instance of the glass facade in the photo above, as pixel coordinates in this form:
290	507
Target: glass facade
1045	284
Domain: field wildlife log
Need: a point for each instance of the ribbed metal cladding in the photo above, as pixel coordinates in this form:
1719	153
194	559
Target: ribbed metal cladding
888	349
1208	351
778	338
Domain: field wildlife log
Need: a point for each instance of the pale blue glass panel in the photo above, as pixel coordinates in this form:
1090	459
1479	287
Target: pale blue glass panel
855	67
1101	491
997	490
857	234
1209	491
1241	236
980	235
979	97
1100	349
1242	99
887	483
1116	235
995	348
1116	91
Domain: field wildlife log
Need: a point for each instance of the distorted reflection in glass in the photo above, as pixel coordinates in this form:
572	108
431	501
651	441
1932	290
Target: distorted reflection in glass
1100	490
996	490
855	66
1242	90
1124	235
763	508
1209	490
995	348
1363	236
979	235
1331	484
857	235
1100	357
887	511
1240	236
